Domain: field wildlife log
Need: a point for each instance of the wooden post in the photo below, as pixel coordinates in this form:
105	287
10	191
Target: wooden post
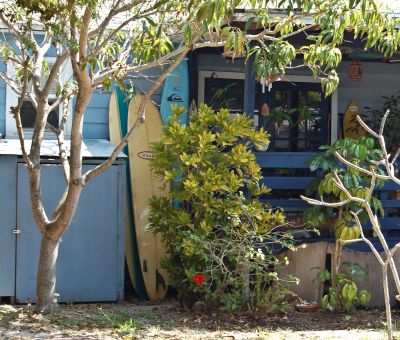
249	88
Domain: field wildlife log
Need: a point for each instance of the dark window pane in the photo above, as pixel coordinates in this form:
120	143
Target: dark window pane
224	93
281	145
312	99
28	115
314	127
283	99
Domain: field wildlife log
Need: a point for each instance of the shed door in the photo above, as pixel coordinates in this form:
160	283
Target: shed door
8	185
88	266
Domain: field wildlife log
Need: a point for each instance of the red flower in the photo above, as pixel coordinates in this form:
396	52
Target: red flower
199	279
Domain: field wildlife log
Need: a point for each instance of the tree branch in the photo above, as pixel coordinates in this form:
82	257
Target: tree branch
54	72
99	31
16	111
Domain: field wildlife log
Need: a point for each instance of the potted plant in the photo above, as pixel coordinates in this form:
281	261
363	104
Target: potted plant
295	116
279	115
392	126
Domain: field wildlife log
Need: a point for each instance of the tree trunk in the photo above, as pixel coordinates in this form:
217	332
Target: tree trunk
46	275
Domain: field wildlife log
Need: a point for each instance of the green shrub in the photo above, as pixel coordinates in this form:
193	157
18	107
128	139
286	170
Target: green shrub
346	295
361	151
213	224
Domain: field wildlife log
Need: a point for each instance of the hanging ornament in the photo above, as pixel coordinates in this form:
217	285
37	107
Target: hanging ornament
355	71
265	110
269	81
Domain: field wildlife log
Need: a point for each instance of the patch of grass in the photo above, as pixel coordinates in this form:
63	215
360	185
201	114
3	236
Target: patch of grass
150	316
7	316
68	322
120	321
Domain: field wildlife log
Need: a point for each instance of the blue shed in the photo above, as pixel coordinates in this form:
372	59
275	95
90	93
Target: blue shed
92	250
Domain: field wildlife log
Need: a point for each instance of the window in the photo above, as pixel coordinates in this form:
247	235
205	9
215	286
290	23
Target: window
28	112
309	111
295	91
219	89
224	93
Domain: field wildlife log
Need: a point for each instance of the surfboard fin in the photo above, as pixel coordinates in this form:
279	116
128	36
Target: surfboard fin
160	280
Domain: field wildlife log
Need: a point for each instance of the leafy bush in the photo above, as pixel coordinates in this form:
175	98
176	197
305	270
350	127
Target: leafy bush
217	232
360	151
345	294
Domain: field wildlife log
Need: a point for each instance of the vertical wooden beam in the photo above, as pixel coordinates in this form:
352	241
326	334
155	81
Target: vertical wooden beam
193	76
334	116
249	88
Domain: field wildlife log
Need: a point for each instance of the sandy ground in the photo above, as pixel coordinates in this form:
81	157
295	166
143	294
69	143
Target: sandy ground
168	321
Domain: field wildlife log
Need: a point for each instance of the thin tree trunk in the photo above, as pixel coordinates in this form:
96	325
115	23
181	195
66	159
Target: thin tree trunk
387	301
46	275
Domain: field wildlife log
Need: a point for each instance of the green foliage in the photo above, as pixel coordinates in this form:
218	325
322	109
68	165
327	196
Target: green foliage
46	8
392	126
280	114
346	294
361	152
153	26
213	222
220	97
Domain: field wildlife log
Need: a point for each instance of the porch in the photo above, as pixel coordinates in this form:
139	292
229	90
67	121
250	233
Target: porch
284	163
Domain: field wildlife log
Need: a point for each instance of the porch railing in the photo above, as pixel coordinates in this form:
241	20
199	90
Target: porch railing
286	173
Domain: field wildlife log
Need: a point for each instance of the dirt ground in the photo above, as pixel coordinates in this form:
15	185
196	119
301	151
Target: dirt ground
168	321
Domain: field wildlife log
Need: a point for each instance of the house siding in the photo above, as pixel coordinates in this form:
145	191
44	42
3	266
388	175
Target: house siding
95	125
378	79
2	102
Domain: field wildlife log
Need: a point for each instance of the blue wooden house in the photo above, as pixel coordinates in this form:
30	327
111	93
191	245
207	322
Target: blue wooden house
94	252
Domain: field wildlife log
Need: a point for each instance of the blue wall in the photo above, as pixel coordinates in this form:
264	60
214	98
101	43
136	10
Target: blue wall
96	117
2	102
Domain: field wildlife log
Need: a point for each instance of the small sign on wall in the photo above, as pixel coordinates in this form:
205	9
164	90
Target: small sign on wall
355	71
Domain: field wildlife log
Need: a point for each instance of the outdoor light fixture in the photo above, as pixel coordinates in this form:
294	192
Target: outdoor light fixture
55	301
55	297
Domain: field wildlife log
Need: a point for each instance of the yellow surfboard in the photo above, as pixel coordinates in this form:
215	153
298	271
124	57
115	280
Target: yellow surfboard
351	127
145	185
119	111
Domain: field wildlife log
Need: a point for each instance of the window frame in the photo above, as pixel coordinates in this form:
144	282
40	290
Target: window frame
294	138
12	100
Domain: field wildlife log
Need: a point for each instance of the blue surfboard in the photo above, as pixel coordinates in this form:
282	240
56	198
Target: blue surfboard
176	92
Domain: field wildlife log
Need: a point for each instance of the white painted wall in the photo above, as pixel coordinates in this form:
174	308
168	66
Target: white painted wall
378	79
